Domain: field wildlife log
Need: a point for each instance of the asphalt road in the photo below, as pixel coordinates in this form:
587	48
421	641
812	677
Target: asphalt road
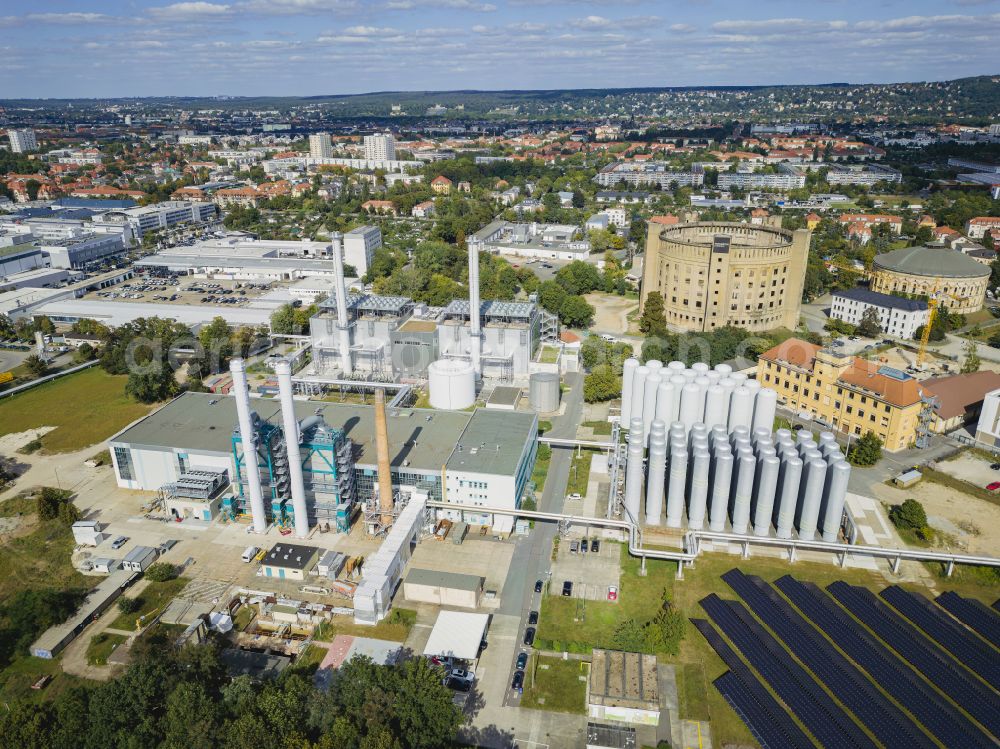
532	557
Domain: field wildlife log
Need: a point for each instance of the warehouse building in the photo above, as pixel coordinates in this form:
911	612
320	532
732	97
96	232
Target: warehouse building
83	251
289	561
482	458
443	588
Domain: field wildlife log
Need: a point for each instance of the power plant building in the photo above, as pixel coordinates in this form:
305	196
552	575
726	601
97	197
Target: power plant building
483	458
958	280
714	274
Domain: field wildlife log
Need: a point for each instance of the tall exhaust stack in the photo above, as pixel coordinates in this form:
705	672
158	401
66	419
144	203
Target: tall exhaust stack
475	334
382	453
283	369
340	292
249	438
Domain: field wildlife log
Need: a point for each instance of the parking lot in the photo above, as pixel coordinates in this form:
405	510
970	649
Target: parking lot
591	573
182	290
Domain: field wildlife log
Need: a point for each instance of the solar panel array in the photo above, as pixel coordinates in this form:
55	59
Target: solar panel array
934	661
885	721
764	716
817	711
963	645
974	614
943	719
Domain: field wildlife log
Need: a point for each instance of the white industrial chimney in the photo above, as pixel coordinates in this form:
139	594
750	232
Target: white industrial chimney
283	369
475	334
249	438
340	292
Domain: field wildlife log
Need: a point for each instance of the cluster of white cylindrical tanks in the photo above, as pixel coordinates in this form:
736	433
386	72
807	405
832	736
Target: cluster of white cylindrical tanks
736	472
693	395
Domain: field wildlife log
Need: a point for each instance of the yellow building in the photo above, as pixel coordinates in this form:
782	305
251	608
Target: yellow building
714	274
922	271
849	394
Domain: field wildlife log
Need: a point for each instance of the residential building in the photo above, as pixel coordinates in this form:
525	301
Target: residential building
441	185
22	141
957	279
976	228
714	274
320	146
386	207
423	210
895	223
598	222
748	180
380	147
647	173
844	392
898	317
161	215
359	247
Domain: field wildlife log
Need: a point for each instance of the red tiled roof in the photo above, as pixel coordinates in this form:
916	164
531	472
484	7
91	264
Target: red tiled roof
956	394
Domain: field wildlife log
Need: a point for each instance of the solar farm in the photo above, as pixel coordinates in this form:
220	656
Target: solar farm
845	667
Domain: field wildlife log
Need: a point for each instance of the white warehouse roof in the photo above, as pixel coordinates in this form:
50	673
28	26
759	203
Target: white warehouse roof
457	634
114	314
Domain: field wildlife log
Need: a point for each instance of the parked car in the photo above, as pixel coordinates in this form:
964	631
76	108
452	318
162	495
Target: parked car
584	546
995	466
459	685
522	661
461	673
119	542
574	496
993	487
538	586
533	617
567	588
574	547
595	546
529	636
517	683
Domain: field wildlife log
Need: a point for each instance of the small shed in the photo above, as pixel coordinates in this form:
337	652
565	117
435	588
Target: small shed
88	533
139	559
443	588
289	561
906	479
105	565
330	564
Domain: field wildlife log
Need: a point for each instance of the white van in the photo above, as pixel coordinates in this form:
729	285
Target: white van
250	553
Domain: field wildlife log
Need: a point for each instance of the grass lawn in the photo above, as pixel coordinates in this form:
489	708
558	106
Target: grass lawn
153	598
541	468
17	678
555	684
243	617
638	598
86	408
396	627
310	658
101	646
599	427
550	355
579	472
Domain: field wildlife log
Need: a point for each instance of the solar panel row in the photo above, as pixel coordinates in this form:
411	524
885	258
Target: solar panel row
982	704
964	646
898	678
814	708
886	721
974	614
765	717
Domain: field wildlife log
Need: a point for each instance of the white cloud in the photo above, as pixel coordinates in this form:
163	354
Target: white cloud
369	31
591	22
190	10
69	19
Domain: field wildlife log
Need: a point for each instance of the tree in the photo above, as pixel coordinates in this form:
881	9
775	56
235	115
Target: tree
161	572
551	295
128	605
155	383
653	321
6	327
866	451
579	277
36	365
602	384
576	312
870	325
32	186
972	361
216	341
630	636
85	353
910	515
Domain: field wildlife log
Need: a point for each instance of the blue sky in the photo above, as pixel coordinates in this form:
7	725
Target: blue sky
301	47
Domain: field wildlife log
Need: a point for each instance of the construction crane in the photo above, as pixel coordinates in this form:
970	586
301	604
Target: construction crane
933	300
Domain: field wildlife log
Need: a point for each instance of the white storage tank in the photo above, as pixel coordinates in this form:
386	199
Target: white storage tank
543	392
451	384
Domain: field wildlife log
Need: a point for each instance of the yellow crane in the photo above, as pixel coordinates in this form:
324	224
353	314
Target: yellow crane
933	300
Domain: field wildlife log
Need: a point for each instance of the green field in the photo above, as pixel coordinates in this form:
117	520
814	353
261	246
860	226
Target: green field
86	408
638	596
101	646
396	627
579	473
153	598
555	684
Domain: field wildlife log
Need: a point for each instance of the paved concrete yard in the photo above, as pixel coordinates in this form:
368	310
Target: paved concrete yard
590	573
474	556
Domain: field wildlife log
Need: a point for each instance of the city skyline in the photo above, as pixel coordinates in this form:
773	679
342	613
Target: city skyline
314	47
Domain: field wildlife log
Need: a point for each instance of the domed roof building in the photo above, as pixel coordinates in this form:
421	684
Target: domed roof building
923	271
